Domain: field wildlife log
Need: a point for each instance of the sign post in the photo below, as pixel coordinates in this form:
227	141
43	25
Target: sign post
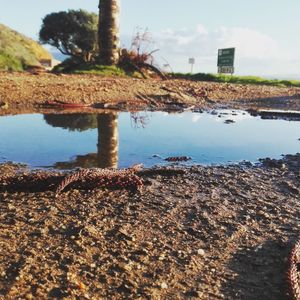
192	62
226	60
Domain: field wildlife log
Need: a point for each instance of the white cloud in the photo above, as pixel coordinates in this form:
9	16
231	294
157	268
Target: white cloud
200	29
256	53
250	43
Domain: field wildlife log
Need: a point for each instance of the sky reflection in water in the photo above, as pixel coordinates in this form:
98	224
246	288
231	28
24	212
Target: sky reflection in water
122	139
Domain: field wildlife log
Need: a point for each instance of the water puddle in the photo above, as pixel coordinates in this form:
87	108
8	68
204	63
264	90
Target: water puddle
66	141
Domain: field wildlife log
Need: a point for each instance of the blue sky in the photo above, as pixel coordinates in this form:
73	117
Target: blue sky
264	32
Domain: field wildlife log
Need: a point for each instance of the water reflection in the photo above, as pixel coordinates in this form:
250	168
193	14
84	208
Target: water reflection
72	122
139	120
108	138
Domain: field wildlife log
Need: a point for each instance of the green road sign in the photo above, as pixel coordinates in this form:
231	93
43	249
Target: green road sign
226	57
224	70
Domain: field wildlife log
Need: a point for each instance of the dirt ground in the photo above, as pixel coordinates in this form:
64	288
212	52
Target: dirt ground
221	232
25	92
205	233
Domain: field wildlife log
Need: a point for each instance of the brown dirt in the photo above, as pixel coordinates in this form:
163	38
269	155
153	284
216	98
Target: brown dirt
25	91
208	233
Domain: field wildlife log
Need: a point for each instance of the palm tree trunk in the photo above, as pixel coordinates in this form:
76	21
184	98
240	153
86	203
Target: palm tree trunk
108	32
108	140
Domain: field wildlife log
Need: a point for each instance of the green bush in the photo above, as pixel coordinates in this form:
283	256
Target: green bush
101	70
10	63
74	66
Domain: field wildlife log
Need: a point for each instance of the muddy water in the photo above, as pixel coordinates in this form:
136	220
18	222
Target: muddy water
67	141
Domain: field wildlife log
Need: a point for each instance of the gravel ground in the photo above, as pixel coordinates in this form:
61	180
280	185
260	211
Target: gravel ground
23	92
198	233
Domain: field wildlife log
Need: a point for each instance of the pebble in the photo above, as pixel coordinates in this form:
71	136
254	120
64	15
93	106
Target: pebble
164	285
201	252
4	105
11	207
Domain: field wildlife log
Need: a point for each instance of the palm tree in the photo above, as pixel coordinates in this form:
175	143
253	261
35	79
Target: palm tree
108	32
108	140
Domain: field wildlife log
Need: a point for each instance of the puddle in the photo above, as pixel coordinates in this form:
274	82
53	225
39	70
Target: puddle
66	141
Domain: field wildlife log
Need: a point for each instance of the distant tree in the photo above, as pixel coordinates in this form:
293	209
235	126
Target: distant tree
72	32
108	32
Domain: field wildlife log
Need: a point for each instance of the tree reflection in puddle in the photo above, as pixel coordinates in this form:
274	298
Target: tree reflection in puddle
108	138
139	120
111	139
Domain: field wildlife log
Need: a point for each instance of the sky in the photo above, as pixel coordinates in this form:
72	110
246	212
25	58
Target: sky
265	33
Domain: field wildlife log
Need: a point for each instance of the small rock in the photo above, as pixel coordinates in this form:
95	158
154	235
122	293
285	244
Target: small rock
81	285
164	285
11	207
283	166
201	252
259	247
3	105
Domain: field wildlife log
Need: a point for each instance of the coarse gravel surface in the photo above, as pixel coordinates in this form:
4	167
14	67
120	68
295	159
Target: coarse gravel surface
220	232
24	92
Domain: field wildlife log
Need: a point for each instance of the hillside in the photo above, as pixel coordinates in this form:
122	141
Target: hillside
18	51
